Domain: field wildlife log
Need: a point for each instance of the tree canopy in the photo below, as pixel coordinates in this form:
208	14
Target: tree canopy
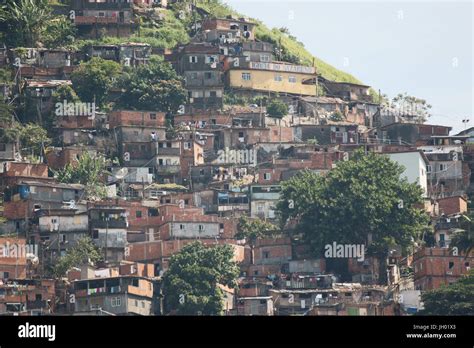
453	299
25	21
191	283
84	251
277	109
154	86
253	229
406	104
93	79
463	239
90	170
362	200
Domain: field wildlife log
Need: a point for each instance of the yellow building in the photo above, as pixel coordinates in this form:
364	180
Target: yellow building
272	77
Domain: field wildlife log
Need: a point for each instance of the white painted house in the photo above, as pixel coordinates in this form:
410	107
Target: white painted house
415	163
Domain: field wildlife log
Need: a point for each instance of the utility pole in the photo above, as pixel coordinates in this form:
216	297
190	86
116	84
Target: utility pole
106	236
279	49
317	89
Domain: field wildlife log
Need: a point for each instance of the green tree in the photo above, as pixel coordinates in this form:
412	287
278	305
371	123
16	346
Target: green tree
453	299
154	86
33	139
90	171
93	79
253	229
337	116
408	105
25	21
463	239
361	201
277	109
191	283
9	131
82	253
59	32
6	76
65	92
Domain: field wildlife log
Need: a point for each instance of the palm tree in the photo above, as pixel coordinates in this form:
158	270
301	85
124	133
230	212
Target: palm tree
463	238
25	20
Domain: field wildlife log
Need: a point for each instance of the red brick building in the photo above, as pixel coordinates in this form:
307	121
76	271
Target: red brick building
136	118
434	267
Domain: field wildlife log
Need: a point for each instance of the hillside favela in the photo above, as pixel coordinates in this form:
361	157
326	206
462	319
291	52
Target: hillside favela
178	157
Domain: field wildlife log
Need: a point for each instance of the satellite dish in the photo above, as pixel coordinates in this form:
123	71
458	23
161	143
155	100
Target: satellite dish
121	173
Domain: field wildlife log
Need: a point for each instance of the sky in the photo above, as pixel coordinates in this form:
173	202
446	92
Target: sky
424	48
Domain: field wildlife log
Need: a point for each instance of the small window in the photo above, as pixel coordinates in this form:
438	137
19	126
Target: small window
38	297
181	227
201	228
210	59
428	169
266	254
153	212
3	147
208	75
213	94
443	167
292	79
95	234
193	59
221	226
267	176
241	134
451	265
278	78
246	76
138	214
153	116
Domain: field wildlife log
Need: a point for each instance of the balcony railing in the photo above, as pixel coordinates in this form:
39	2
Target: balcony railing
169	151
168	169
93	20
